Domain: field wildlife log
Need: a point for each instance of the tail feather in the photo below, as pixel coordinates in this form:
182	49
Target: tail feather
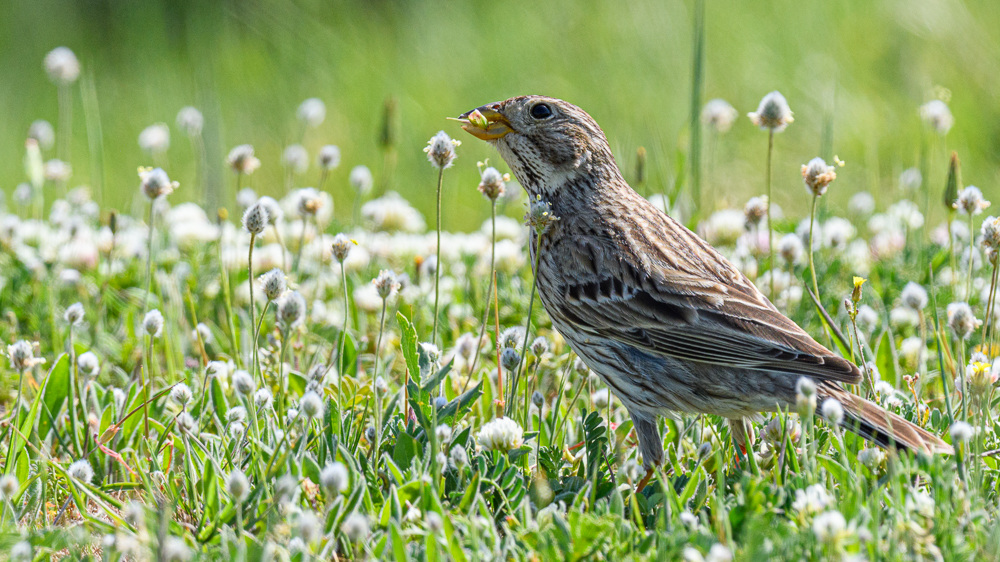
884	428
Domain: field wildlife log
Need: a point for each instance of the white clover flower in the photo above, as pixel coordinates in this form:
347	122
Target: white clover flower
910	179
88	363
243	382
971	201
791	248
355	527
202	332
385	283
812	500
255	219
308	201
441	150
42	131
861	204
190	120
291	310
263	399
961	432
312	112
236	415
74	314
962	320
155	183
492	184
833	412
829	526
329	157
719	115
914	296
361	179
242	160
392	213
155	139
186	422
237	485
62	66
817	176
175	550
719	553
81	470
502	434
872	457
458	457
181	394
936	114
755	210
274	284
8	487
540	216
601	398
56	170
773	113
311	405
334	477
152	323
723	228
341	247
21	552
296	158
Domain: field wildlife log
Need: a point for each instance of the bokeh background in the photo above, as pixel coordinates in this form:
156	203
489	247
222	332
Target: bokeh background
854	72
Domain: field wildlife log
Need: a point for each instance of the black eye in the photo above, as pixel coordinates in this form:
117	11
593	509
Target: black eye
541	111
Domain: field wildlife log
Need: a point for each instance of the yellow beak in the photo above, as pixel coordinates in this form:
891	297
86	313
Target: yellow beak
485	123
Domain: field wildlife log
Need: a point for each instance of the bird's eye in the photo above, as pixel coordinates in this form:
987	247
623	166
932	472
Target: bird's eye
541	111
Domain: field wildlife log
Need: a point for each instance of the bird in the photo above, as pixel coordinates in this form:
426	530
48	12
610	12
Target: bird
667	322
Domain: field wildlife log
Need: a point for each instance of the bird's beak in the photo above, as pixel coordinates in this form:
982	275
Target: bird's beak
485	123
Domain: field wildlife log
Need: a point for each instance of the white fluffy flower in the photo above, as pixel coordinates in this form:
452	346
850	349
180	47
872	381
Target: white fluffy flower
502	434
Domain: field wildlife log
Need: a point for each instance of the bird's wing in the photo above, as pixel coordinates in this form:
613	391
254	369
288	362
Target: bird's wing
698	308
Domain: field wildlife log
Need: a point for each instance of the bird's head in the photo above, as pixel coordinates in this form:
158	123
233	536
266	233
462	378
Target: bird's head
548	143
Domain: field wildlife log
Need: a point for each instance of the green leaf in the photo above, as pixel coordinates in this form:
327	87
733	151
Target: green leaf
406	449
59	371
408	343
436	378
54	393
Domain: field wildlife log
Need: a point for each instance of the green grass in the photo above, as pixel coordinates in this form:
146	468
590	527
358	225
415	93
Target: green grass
398	463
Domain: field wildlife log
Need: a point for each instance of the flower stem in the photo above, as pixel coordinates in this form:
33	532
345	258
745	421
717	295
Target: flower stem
489	293
437	263
812	223
770	230
149	256
253	355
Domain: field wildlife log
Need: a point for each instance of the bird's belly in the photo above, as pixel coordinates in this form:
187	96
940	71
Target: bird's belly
658	385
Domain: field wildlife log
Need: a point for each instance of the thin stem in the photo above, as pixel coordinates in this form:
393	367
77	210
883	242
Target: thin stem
302	240
489	292
73	375
253	354
146	379
437	263
149	255
527	328
972	241
812	223
340	347
378	409
770	230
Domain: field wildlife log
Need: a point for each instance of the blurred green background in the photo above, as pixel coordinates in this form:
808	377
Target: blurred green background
857	69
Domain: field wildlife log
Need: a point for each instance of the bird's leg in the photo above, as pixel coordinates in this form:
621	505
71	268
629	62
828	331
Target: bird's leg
650	445
645	480
741	435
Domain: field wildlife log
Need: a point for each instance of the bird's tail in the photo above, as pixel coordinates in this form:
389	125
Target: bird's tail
884	428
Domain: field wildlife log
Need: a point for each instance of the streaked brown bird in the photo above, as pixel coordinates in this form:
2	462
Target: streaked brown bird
665	320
